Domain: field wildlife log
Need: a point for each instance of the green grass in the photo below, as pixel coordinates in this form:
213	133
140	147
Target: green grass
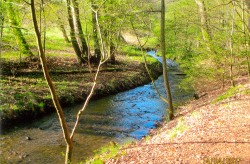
134	54
232	92
131	50
179	129
54	42
104	153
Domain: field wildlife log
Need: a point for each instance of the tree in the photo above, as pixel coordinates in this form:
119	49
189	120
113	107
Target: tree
97	51
21	41
78	30
204	20
1	25
164	64
248	6
62	28
68	136
76	34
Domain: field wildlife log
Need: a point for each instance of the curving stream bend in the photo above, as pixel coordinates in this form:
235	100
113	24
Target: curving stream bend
125	116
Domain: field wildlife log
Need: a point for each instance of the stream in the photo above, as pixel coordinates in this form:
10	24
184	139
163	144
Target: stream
120	118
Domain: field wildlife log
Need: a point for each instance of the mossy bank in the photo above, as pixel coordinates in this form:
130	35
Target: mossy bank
25	95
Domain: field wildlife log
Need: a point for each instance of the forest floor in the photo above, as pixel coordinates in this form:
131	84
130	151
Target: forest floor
25	94
212	129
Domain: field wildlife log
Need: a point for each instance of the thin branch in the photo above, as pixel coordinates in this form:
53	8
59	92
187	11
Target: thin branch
146	65
86	101
224	4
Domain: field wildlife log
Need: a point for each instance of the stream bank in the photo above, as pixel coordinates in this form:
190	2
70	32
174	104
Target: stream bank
212	129
118	118
25	93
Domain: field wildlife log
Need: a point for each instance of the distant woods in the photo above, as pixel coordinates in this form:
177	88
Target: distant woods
86	25
209	38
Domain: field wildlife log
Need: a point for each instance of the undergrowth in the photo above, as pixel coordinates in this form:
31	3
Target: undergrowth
105	153
231	92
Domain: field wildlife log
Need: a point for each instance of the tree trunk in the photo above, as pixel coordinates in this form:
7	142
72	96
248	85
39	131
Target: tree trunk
232	44
248	6
165	70
73	35
245	32
97	51
55	100
1	28
65	36
21	41
78	30
112	53
63	30
204	21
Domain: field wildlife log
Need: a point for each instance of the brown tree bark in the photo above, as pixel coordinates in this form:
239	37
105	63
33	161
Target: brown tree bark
74	42
248	7
78	30
21	41
63	30
97	51
55	100
204	20
164	64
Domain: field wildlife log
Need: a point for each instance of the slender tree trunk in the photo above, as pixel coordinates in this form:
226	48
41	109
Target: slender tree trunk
231	45
97	51
55	100
204	21
78	30
248	6
63	30
74	42
65	36
1	28
165	70
112	53
21	41
245	31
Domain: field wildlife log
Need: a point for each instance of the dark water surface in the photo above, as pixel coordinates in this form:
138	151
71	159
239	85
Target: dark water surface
125	116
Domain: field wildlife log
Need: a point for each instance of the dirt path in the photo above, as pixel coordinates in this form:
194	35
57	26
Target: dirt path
204	132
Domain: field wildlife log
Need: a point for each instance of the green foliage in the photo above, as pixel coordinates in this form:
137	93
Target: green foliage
179	129
231	92
131	50
105	153
201	58
16	28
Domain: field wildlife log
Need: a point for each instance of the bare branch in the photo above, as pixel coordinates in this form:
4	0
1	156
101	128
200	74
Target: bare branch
146	65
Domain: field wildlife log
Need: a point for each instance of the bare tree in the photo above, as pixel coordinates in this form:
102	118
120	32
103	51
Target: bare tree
97	51
78	30
164	64
204	20
21	41
248	7
65	129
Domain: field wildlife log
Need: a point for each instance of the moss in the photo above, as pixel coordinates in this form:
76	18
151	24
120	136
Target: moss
112	150
230	93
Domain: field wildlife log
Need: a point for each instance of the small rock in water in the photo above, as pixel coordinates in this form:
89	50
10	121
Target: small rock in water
28	138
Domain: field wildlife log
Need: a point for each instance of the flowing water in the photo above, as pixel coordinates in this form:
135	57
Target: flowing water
125	116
